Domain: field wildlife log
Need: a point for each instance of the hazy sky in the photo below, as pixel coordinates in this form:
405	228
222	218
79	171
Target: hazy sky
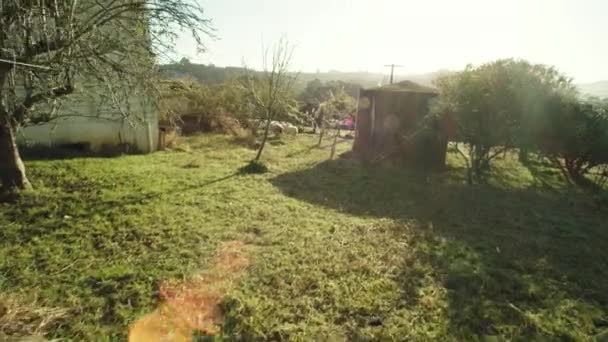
422	35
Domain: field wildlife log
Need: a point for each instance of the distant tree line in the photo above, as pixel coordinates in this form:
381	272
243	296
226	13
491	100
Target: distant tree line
211	74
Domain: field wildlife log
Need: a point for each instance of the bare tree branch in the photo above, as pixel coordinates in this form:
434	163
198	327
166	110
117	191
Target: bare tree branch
276	86
46	45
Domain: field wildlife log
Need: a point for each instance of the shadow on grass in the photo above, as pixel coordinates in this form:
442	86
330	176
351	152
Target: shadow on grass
91	206
302	151
515	263
72	151
78	241
544	174
316	146
549	177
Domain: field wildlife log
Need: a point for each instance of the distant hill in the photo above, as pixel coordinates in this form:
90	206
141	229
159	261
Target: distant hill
211	74
599	89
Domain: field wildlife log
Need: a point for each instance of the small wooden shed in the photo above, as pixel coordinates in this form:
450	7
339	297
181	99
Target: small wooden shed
388	114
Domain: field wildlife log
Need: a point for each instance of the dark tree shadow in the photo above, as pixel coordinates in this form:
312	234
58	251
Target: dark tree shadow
548	177
66	218
76	150
544	174
302	151
501	254
88	206
327	145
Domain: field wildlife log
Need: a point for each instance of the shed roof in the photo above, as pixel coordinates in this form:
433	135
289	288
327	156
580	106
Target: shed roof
405	87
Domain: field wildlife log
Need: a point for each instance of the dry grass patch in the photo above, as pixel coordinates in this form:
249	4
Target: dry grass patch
194	305
20	318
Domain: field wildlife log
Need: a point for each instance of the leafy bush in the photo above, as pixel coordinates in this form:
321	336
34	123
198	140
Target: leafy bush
498	106
202	108
575	137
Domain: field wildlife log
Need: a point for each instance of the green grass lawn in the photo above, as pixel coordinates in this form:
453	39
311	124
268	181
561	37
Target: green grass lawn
338	250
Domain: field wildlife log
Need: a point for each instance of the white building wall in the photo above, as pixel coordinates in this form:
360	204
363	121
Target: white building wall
86	117
139	131
96	133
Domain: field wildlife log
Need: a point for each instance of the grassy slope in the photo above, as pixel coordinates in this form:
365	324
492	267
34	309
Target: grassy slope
341	250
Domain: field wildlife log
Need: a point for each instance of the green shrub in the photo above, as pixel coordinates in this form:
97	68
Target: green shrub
498	106
197	107
575	137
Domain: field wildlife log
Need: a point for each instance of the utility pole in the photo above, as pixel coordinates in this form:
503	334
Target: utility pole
393	66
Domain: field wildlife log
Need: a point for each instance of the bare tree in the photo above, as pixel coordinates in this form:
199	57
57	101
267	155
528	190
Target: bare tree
272	93
53	48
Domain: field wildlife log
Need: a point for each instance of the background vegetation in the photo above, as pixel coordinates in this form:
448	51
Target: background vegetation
512	104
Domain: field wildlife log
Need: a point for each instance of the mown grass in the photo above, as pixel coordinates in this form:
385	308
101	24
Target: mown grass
340	250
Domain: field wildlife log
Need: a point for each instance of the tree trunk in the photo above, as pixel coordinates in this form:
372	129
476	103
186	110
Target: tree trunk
266	129
333	146
469	162
314	123
12	170
561	168
321	134
523	155
321	125
574	170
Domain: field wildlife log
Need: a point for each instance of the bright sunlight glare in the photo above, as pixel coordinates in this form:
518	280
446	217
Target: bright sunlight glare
424	36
